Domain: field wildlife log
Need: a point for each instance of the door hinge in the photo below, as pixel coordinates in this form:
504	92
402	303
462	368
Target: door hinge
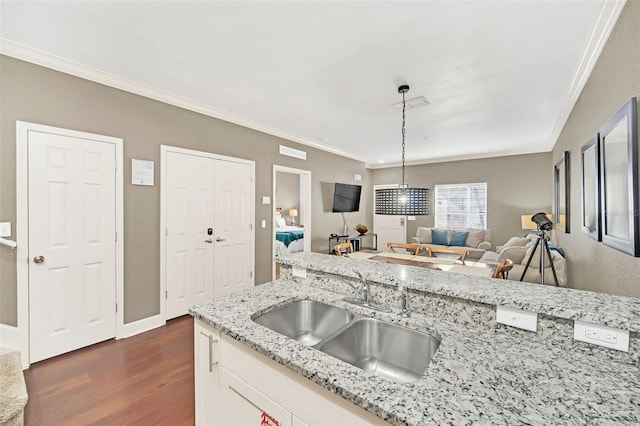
251	227
116	307
116	236
166	294
166	232
250	274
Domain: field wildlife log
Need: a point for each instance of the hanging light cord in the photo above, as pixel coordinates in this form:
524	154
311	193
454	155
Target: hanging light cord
402	90
403	131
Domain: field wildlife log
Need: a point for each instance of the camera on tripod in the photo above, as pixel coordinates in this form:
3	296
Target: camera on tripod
544	225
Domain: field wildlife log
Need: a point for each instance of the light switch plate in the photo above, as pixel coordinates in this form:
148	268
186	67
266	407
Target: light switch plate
517	318
264	223
601	335
266	200
5	229
299	272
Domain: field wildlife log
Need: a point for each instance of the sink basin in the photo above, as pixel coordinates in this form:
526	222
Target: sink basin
306	321
383	349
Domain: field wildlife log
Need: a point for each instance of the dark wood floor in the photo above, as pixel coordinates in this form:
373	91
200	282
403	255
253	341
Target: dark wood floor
143	380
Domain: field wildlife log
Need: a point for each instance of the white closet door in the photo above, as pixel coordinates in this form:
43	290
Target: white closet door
189	247
233	231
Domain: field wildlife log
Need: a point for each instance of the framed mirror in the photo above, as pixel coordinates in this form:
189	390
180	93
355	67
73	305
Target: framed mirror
619	180
561	174
590	159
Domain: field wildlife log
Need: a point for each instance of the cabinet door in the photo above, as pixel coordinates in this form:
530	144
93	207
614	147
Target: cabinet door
297	422
246	406
207	392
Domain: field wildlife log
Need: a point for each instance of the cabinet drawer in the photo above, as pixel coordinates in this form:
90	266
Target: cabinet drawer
246	406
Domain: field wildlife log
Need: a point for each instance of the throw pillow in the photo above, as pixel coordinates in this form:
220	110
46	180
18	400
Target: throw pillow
280	223
424	234
439	237
556	248
458	239
515	242
475	237
516	254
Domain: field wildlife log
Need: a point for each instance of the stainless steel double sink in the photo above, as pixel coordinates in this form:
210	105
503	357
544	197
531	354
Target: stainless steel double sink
386	350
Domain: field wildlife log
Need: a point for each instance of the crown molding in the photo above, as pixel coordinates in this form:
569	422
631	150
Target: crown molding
57	63
450	158
602	27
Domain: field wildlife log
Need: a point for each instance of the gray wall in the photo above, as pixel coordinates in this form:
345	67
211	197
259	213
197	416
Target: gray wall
615	79
32	93
288	194
516	185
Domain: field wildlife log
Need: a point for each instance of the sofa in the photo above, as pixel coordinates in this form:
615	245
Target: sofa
475	241
518	249
13	391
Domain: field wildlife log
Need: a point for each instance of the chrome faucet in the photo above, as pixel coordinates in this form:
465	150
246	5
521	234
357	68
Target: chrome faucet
366	288
364	293
404	296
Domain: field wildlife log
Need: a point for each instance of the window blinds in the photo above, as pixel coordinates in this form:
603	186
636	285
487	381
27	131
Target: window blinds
461	206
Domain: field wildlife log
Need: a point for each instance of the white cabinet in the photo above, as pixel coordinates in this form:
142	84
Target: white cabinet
245	405
207	371
236	385
297	422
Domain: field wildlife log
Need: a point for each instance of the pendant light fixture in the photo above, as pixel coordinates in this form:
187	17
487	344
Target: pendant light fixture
403	200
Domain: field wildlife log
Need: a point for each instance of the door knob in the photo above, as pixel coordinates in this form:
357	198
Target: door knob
38	259
218	239
208	240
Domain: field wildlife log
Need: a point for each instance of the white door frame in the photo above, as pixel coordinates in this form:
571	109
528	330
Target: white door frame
164	149
305	206
22	225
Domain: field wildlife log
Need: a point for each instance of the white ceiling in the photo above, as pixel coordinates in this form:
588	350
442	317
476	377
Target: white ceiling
498	74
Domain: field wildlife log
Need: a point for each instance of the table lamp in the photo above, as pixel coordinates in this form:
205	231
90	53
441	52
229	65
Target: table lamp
293	213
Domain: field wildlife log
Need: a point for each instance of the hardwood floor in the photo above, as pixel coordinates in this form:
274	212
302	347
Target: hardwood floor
143	380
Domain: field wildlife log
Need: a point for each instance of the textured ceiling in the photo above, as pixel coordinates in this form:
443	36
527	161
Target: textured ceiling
496	73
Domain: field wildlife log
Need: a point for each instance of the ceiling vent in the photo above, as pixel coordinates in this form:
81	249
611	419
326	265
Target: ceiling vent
413	103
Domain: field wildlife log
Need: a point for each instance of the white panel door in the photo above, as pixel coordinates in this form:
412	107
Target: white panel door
190	248
390	229
234	219
72	249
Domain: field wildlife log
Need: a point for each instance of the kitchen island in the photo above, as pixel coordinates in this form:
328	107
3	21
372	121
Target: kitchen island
483	372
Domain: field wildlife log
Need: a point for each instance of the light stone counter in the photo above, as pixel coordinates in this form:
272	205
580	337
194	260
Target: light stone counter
481	374
599	308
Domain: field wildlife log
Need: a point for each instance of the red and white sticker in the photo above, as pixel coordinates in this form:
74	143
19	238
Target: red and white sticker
267	420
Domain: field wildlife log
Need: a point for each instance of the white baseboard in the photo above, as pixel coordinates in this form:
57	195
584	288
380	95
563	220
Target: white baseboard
10	339
145	324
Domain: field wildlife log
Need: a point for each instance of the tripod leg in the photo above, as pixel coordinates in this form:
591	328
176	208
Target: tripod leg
543	243
553	268
533	252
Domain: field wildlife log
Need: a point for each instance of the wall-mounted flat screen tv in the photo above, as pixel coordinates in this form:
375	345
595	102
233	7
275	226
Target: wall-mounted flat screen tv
346	198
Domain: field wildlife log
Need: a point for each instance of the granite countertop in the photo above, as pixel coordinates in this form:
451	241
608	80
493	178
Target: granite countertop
476	376
598	308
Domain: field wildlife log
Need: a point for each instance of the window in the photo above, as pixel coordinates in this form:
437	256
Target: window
461	206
